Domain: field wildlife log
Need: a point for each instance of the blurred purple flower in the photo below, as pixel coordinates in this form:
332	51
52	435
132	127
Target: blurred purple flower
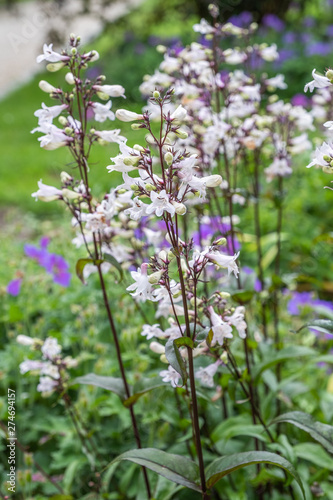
53	263
272	21
242	20
300	100
290	37
309	22
318	48
257	285
329	30
14	286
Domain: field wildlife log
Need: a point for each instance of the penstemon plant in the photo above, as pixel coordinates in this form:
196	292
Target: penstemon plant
214	136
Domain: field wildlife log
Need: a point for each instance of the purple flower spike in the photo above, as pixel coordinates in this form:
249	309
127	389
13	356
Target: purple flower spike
272	21
13	287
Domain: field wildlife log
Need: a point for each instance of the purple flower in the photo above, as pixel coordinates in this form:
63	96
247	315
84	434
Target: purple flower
309	22
318	48
300	100
242	20
329	30
272	21
13	287
289	37
54	264
257	285
299	299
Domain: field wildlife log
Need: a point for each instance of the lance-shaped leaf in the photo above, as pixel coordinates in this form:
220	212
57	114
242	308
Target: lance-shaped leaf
111	260
322	325
141	387
291	352
225	465
322	433
112	384
174	357
176	468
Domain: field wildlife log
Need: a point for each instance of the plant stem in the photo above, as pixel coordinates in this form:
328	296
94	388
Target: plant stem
122	371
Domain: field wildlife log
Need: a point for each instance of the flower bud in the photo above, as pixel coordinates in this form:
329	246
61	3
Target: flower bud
156	94
46	87
192	301
70	195
122	191
163	359
53	67
134	187
155	277
95	56
127	116
329	74
327	158
25	340
181	133
163	255
220	241
103	96
179	207
150	187
65	177
161	49
131	161
224	295
168	157
224	357
68	130
177	294
137	147
69	77
156	347
171	256
74	51
62	120
213	180
136	126
179	114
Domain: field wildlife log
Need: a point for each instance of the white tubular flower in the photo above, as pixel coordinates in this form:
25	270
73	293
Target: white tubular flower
323	156
31	365
127	116
46	385
102	111
170	375
203	27
110	136
224	261
277	82
221	329
46	87
180	208
151	331
51	56
279	168
237	320
205	375
25	340
126	161
318	81
329	125
109	90
46	114
160	203
69	77
234	56
269	53
157	348
47	193
142	289
170	64
93	55
212	180
186	168
50	370
55	137
179	114
137	211
50	348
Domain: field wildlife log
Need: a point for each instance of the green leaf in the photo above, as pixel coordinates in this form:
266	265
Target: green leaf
81	264
322	325
141	387
243	296
112	384
255	431
314	453
175	358
176	468
290	352
322	433
184	341
225	465
201	336
111	260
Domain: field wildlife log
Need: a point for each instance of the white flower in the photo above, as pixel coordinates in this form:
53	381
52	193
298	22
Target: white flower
102	112
179	114
110	90
47	193
160	203
111	135
30	365
54	138
25	340
150	331
318	81
277	82
221	329
279	168
205	375
46	87
237	320
127	116
126	161
46	114
203	27
225	261
50	370
143	289
170	375
50	348
138	209
326	149
46	385
234	56
50	55
186	166
269	53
